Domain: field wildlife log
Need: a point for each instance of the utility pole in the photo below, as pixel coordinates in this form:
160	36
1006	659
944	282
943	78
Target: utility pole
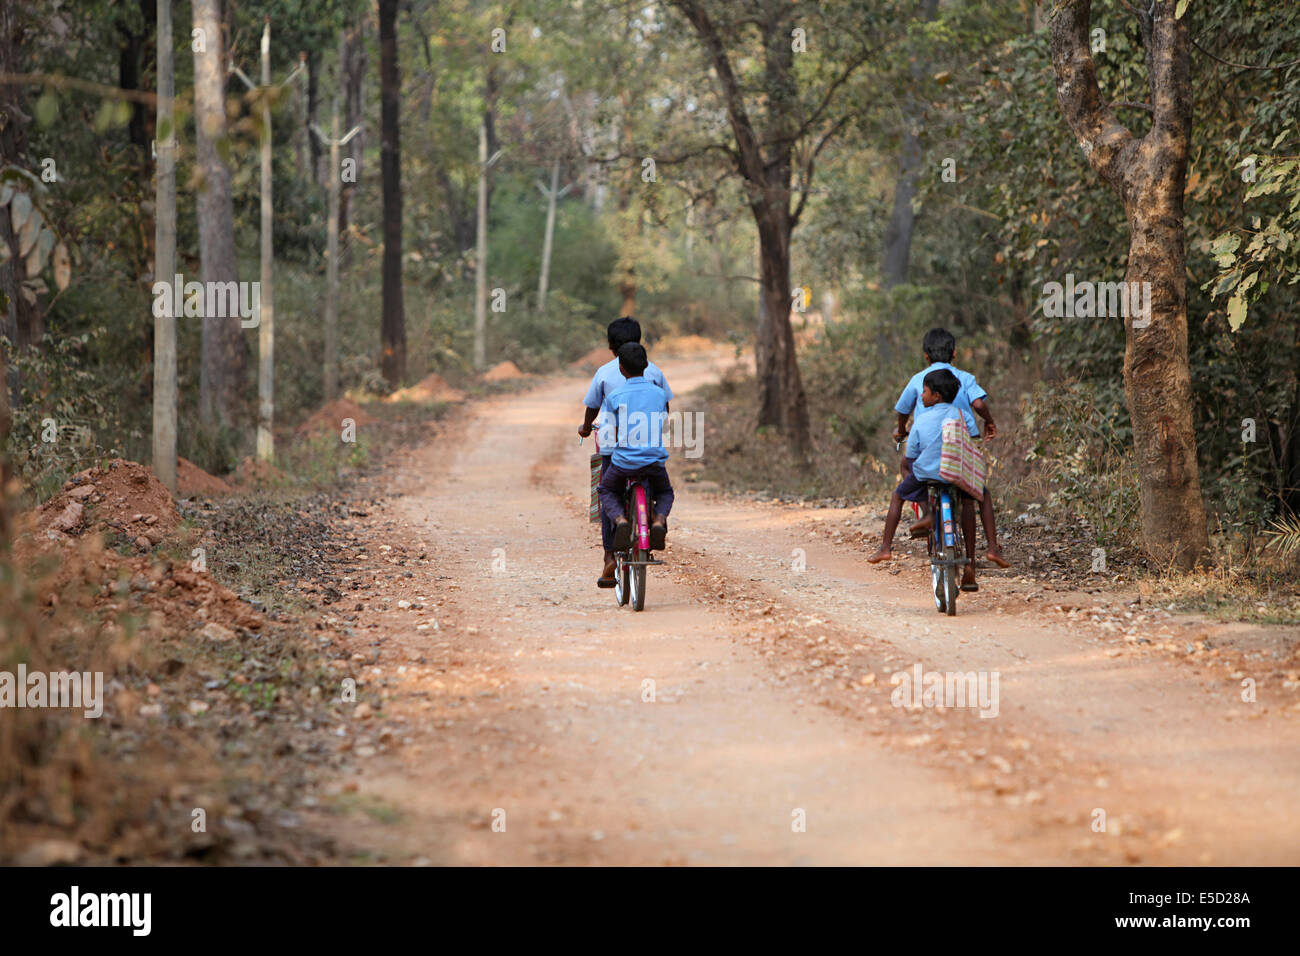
551	198
164	258
266	297
480	255
332	253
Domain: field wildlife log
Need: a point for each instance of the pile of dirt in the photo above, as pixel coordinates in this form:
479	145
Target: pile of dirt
592	360
431	388
506	371
182	597
188	667
193	482
255	473
121	496
684	345
329	417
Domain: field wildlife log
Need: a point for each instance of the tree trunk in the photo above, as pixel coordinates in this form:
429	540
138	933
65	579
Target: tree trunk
313	109
164	330
481	252
24	323
135	59
1150	175
224	351
332	267
898	231
627	292
902	219
781	399
627	275
354	64
393	345
266	302
552	198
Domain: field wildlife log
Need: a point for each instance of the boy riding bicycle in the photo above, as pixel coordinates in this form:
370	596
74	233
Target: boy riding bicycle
606	379
939	390
631	425
939	347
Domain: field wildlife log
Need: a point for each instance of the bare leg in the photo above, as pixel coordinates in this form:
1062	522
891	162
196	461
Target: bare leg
921	527
968	532
891	525
994	553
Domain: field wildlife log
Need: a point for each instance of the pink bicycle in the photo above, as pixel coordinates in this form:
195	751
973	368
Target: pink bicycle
630	565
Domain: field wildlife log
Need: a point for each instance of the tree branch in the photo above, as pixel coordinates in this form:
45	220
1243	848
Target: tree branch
808	166
1103	139
1244	66
749	158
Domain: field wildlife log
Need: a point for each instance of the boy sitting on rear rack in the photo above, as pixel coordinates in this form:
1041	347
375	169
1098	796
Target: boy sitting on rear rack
921	462
939	348
631	424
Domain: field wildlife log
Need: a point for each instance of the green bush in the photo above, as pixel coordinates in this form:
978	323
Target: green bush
1086	460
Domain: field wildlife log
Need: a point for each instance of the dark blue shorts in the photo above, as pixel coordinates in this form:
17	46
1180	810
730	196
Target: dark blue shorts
912	488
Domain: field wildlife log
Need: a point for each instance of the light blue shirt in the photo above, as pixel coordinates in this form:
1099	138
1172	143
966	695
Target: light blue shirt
608	378
925	440
970	391
635	413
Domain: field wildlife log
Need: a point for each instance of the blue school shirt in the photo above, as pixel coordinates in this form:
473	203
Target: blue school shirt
925	440
608	378
637	410
970	391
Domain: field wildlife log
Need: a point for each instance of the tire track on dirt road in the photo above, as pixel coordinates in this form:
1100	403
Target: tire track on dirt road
518	694
523	694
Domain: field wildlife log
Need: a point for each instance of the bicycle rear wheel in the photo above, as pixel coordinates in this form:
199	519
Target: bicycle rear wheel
951	580
638	579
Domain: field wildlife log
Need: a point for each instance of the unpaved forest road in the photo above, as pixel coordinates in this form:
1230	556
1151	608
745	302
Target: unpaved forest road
524	703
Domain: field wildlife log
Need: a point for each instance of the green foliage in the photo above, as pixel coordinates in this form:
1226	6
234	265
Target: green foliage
1085	460
61	421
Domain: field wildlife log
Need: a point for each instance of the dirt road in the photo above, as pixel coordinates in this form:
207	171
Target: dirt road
745	717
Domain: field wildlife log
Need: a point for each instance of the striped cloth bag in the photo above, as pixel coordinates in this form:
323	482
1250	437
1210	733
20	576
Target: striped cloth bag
593	507
961	462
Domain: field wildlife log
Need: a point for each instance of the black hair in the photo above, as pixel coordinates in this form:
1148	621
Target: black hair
631	355
621	331
939	344
943	383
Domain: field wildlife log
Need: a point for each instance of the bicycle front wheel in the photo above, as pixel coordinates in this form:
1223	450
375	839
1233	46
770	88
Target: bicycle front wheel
622	582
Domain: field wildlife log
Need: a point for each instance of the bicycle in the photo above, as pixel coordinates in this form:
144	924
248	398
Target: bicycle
946	546
630	565
945	543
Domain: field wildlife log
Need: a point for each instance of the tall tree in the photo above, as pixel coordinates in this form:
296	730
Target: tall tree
353	62
902	218
1149	174
164	333
778	127
23	322
393	332
224	351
